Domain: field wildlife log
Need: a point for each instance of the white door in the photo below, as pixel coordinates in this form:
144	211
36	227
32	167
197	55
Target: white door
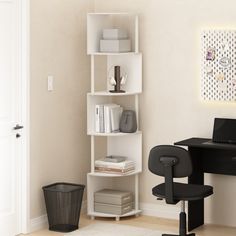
9	117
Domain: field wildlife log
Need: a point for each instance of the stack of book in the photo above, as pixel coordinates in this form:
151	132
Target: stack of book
122	168
107	118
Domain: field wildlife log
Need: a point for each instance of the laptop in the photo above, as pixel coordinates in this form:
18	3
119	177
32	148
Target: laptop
224	131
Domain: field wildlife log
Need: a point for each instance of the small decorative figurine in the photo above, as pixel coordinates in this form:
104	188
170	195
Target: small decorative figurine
209	70
225	62
220	77
211	52
117	80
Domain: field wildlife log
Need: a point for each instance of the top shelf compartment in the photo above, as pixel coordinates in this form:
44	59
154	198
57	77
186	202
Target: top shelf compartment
96	22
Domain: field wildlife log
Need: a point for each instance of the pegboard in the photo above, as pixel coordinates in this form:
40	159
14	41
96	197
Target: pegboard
218	69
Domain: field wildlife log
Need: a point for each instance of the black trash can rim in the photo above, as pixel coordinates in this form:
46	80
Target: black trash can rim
58	187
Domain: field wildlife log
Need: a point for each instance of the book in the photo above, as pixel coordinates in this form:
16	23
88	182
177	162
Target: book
115	113
107	116
99	118
113	169
119	165
115	159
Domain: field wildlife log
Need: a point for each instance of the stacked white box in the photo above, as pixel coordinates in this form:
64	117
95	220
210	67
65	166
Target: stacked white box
115	40
114	34
113	201
119	45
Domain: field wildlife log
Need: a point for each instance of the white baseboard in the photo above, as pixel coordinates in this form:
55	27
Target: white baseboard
41	222
157	210
161	211
148	209
38	223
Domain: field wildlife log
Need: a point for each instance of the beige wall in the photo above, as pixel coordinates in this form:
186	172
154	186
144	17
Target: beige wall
60	148
169	36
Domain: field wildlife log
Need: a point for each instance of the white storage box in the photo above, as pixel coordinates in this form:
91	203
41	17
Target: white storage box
121	45
113	209
115	197
114	34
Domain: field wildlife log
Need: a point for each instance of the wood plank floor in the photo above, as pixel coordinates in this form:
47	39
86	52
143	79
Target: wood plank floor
162	225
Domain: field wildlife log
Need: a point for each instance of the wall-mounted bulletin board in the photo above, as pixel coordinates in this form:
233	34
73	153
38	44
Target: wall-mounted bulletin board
218	65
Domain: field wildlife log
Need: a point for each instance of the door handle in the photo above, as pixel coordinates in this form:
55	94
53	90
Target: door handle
18	127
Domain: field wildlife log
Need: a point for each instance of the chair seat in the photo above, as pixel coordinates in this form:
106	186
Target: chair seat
185	192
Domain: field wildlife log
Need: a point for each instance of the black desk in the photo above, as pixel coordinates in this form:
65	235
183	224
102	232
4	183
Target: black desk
207	157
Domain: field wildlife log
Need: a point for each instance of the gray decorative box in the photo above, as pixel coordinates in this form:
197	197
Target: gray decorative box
114	197
113	209
115	45
114	34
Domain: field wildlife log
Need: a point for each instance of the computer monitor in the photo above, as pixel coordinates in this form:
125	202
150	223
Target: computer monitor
224	130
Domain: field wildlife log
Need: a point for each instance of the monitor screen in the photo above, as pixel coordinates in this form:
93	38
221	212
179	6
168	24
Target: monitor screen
224	130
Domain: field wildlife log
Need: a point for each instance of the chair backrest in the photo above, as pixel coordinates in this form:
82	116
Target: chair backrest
171	162
160	155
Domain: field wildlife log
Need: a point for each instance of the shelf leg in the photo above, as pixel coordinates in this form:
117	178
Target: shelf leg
92	218
117	218
137	110
136	192
92	74
92	153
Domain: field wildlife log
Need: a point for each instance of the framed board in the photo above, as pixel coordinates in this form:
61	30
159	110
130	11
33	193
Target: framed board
218	68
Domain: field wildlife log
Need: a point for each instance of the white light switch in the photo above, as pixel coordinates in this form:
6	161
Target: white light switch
50	83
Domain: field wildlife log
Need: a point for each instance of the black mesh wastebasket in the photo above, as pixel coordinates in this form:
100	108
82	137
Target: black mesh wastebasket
63	204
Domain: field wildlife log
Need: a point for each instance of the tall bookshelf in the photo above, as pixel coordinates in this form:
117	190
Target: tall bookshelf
123	144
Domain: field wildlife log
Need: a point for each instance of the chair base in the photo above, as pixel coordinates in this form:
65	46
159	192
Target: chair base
182	223
192	234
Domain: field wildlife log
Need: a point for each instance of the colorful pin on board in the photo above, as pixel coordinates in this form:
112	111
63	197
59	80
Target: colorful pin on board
220	77
225	62
209	70
210	55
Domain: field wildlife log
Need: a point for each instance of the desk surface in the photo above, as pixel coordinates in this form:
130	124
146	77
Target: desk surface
205	143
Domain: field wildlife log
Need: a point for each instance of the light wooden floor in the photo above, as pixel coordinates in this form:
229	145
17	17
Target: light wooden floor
162	225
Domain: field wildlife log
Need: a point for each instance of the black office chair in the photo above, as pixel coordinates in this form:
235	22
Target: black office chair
175	162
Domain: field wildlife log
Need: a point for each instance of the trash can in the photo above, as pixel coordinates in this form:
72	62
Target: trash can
63	204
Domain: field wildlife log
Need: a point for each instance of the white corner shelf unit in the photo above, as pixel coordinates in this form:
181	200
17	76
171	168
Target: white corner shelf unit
121	144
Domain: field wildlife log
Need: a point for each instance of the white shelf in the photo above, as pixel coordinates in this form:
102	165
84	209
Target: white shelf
99	214
109	13
130	64
119	134
113	53
100	174
92	101
126	183
106	93
129	145
120	144
96	22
